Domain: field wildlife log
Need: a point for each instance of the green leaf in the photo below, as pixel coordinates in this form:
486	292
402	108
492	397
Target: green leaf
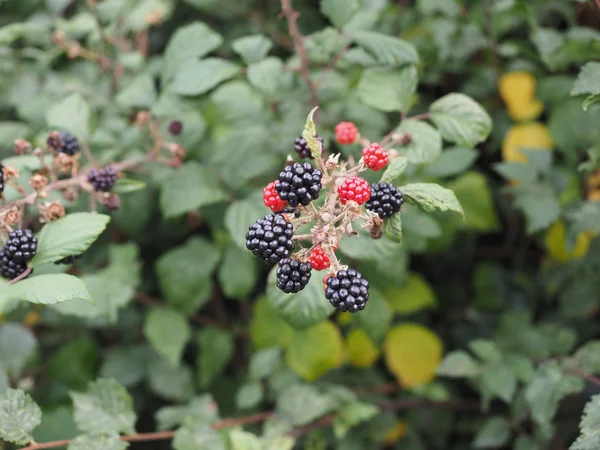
474	195
414	295
310	135
243	213
388	89
425	144
539	205
587	356
590	426
278	443
243	440
188	43
71	114
19	415
339	11
386	49
376	318
265	75
393	228
495	433
264	362
588	80
497	380
249	395
127	364
304	309
194	436
543	394
395	168
352	415
98	442
105	408
238	272
461	120
252	48
127	185
200	409
197	77
47	290
216	350
172	383
452	162
17	345
188	188
364	248
168	332
431	197
267	328
486	350
458	364
140	93
314	351
588	102
302	404
70	236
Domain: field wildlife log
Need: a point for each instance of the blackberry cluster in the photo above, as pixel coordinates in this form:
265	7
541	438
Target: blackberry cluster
299	184
21	246
385	200
292	275
102	179
69	144
1	179
9	268
270	238
301	147
347	290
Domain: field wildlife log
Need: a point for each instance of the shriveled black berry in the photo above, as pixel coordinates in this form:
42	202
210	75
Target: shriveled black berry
347	290
1	178
9	268
21	246
270	238
69	144
68	260
302	148
175	127
292	275
102	179
299	184
385	199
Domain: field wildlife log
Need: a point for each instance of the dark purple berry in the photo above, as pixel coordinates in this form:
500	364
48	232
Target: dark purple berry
175	127
270	238
299	184
292	275
102	179
347	290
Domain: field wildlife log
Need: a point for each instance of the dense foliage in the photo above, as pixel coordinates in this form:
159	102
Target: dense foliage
136	141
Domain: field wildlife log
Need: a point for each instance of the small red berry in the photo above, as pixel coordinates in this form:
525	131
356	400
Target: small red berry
375	157
346	132
354	188
319	259
271	198
175	127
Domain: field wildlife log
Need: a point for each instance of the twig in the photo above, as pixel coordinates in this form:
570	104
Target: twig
591	378
292	19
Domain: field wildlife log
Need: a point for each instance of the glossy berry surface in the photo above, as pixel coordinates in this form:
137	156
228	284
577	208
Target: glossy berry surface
319	259
270	238
302	148
271	198
385	200
299	184
102	179
346	132
292	275
375	157
175	127
354	188
70	144
1	179
21	246
347	290
9	268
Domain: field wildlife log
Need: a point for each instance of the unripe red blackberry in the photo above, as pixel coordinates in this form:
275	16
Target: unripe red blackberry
354	188
319	259
271	198
375	157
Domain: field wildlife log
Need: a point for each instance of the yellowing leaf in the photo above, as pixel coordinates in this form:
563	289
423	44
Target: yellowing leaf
412	353
267	328
414	295
396	433
314	351
517	89
360	350
556	244
344	318
530	136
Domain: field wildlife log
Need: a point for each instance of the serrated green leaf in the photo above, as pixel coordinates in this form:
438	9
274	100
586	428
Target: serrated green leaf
386	49
46	290
543	394
425	141
431	197
458	364
98	442
194	436
539	205
70	236
301	404
264	362
494	433
339	11
475	198
17	345
588	80
388	89
216	350
393	228
71	114
265	75
172	383
352	415
201	409
238	272
126	185
19	415
140	93
375	319
249	395
106	407
497	380
451	162
395	168
461	119
199	76
267	327
168	332
590	101
243	440
310	135
252	48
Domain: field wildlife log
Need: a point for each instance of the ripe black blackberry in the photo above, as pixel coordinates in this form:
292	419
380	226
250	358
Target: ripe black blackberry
347	290
21	246
299	184
1	178
69	144
301	147
292	275
270	238
9	268
68	260
385	199
102	179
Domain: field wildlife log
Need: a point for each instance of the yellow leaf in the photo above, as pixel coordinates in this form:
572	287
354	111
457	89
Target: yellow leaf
31	319
594	196
267	329
412	296
517	89
396	433
360	349
412	353
315	351
530	136
593	180
556	244
344	318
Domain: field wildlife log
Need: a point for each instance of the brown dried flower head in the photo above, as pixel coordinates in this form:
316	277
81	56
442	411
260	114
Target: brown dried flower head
11	216
54	141
51	211
70	194
65	162
10	172
154	17
38	181
22	146
111	201
142	118
178	151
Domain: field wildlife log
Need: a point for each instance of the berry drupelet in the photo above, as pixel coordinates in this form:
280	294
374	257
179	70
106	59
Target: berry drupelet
375	157
302	148
270	238
68	260
319	259
292	275
385	200
347	290
9	268
69	144
299	184
346	132
271	198
102	179
354	188
21	246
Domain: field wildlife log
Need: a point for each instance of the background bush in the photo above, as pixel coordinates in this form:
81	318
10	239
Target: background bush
479	333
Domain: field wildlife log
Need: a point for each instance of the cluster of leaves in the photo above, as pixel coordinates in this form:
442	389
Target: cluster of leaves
480	331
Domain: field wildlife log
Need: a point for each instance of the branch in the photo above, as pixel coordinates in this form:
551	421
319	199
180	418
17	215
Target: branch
292	15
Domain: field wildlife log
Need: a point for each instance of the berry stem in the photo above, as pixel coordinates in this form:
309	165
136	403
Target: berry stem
20	277
299	237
